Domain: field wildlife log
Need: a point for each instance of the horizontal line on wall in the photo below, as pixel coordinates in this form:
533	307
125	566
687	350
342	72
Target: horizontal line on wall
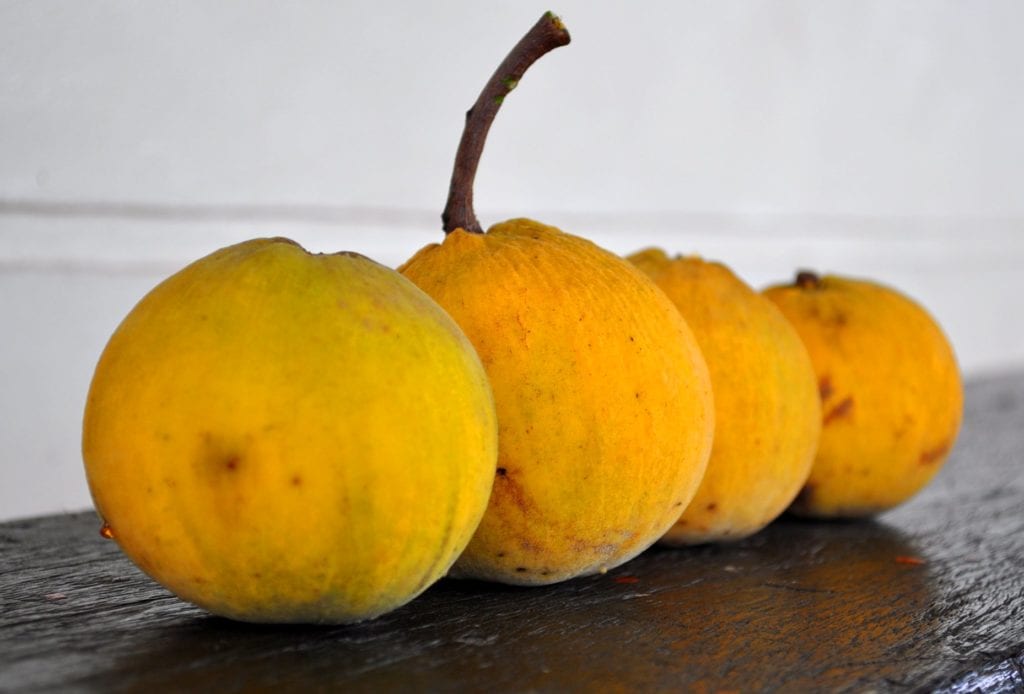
211	212
86	266
739	223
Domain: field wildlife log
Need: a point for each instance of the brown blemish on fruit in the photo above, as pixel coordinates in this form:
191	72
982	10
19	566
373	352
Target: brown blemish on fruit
528	546
296	481
825	389
712	507
512	489
501	472
521	569
232	463
841	410
904	427
934	454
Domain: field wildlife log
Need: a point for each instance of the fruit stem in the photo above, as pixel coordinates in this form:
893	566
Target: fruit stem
547	34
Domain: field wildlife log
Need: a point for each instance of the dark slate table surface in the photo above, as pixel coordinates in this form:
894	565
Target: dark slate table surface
929	596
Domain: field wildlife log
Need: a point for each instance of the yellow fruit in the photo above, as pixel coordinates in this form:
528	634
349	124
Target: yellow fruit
767	415
890	389
279	436
603	399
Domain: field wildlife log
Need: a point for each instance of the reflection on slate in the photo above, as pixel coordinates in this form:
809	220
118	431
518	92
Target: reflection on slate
927	596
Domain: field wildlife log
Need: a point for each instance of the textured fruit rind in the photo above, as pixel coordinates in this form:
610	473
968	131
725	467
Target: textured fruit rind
892	397
278	436
767	414
604	404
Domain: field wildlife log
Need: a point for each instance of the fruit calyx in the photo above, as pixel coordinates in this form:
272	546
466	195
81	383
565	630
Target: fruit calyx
805	279
547	34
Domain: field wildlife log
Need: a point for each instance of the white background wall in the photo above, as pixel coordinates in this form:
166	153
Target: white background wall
880	138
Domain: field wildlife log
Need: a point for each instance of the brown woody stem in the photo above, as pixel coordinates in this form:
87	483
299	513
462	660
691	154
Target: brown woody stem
547	34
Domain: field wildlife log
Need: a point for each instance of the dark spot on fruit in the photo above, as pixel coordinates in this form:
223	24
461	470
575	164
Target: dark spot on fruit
841	410
232	463
637	395
502	472
257	575
501	554
839	319
712	506
545	572
520	569
934	454
631	339
825	388
678	504
296	481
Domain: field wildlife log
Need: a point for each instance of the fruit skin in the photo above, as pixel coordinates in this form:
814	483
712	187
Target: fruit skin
604	403
767	413
279	436
891	393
